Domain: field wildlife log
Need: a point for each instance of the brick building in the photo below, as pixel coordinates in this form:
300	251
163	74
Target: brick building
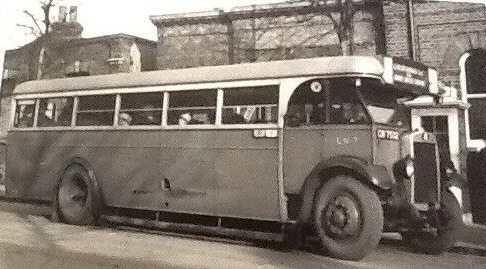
259	33
432	32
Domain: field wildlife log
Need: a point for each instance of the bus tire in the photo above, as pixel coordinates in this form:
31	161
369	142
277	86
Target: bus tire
445	238
348	218
75	197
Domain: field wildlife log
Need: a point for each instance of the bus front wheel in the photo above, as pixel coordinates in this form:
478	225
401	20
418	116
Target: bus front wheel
451	224
75	197
348	218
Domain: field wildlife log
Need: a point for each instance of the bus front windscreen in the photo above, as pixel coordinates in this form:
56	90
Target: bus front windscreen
385	104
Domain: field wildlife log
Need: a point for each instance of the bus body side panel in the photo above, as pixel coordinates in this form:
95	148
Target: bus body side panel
214	172
305	148
126	165
242	169
33	162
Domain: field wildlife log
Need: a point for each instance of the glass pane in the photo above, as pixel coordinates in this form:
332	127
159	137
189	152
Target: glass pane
95	119
477	123
96	110
346	107
251	96
141	109
191	116
309	104
98	102
142	100
441	124
192	107
250	105
204	98
428	124
55	112
250	114
24	113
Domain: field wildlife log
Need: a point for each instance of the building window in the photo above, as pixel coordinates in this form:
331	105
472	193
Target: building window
141	109
477	122
192	107
24	113
95	110
250	105
55	112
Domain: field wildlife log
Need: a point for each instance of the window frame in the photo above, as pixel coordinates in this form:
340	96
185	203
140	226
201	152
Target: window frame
77	111
258	106
119	109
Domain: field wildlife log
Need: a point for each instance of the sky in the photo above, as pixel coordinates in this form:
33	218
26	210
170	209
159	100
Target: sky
103	17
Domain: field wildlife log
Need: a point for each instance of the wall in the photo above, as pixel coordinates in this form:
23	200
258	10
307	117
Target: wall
259	33
443	32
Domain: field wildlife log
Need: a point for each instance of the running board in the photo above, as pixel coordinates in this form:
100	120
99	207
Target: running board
194	228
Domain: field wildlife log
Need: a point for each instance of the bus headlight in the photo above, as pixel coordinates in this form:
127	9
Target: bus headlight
404	168
409	168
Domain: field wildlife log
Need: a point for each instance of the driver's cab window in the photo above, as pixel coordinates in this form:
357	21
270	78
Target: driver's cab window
325	101
346	106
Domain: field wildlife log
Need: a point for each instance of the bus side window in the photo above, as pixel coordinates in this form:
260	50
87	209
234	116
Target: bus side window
192	107
55	112
141	109
250	105
96	110
24	114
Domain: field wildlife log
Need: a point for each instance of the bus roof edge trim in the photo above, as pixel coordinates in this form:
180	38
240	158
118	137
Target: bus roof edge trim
340	65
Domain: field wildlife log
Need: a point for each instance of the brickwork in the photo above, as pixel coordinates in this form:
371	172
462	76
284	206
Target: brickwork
256	34
443	32
192	45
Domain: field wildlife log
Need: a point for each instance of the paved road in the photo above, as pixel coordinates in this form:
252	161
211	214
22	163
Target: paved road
28	241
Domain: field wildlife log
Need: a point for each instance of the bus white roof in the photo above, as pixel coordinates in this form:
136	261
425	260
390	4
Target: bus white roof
327	66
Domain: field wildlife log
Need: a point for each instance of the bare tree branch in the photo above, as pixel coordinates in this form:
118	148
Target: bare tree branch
46	7
32	29
34	20
39	27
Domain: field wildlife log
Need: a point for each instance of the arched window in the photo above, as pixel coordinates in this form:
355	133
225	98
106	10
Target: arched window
475	82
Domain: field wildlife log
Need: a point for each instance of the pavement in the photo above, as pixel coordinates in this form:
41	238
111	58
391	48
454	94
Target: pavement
29	240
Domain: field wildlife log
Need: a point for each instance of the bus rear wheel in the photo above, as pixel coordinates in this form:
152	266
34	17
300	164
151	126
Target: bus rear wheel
75	197
348	218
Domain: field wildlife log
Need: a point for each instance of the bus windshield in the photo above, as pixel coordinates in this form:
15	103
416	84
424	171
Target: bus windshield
384	103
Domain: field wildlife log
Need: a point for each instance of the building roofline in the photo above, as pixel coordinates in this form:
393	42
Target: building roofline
276	9
76	41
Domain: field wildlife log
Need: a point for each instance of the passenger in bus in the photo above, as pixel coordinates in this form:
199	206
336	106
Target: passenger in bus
318	115
347	112
148	116
124	119
294	116
185	119
27	119
231	117
44	119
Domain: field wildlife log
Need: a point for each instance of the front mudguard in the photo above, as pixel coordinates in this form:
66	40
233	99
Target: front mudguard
374	176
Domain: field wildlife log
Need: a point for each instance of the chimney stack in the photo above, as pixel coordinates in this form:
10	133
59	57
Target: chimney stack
73	13
62	14
67	26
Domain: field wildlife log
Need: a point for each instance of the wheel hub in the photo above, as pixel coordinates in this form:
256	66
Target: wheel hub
341	218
